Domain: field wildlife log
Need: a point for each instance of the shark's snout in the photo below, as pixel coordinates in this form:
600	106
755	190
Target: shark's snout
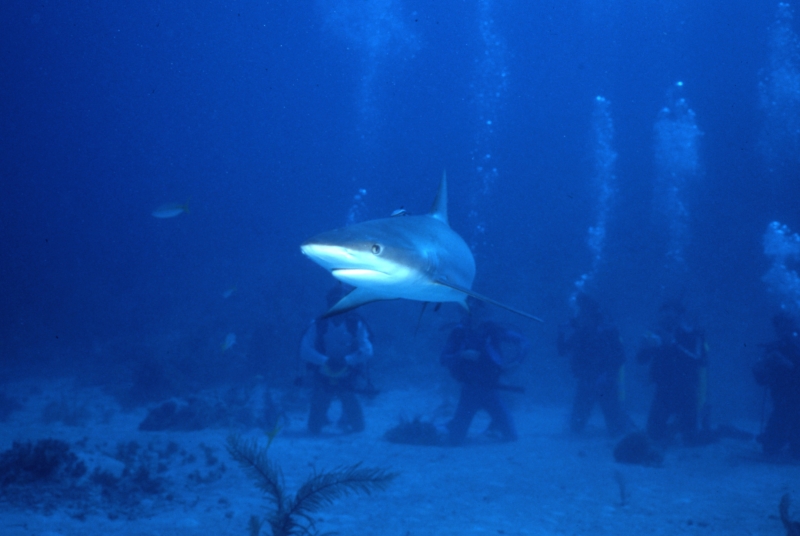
326	252
346	265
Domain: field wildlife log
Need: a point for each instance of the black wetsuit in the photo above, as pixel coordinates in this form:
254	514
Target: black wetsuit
779	370
676	365
336	351
480	377
597	356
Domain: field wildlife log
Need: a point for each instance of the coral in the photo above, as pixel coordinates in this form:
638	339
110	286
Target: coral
416	432
41	475
126	483
792	527
636	448
193	414
292	515
142	477
49	460
237	406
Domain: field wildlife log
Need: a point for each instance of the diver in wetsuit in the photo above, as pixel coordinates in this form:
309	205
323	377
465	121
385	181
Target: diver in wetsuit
474	356
678	354
779	370
596	359
336	351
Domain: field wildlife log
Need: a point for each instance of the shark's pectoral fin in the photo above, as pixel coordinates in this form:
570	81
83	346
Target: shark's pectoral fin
481	297
356	298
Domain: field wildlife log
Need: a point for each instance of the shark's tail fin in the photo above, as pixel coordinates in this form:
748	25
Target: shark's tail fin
470	292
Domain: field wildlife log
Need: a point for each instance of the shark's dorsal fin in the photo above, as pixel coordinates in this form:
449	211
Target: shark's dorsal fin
439	208
481	297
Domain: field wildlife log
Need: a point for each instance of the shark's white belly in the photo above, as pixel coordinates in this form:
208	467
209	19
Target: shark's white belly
409	285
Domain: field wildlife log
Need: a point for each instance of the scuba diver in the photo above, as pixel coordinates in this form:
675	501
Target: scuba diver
779	371
336	351
596	359
474	356
679	358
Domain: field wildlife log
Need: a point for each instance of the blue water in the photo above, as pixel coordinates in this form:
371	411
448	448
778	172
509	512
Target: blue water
267	118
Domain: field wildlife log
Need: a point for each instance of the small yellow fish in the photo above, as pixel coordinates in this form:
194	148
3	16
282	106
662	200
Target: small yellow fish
170	210
230	340
229	292
272	434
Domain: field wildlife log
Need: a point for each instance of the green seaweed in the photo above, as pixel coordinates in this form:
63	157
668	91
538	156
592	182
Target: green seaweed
291	515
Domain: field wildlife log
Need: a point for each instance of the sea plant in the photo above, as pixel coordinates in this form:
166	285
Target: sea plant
291	515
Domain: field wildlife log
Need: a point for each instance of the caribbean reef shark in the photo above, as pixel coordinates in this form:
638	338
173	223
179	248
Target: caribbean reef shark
412	257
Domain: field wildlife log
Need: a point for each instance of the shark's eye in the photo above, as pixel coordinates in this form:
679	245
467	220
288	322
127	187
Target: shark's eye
376	249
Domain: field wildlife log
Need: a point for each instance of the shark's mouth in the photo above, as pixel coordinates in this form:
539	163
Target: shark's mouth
357	273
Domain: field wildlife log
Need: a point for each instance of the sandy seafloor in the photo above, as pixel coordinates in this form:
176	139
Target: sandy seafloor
546	483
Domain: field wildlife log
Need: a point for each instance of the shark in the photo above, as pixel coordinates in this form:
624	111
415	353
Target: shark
410	257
